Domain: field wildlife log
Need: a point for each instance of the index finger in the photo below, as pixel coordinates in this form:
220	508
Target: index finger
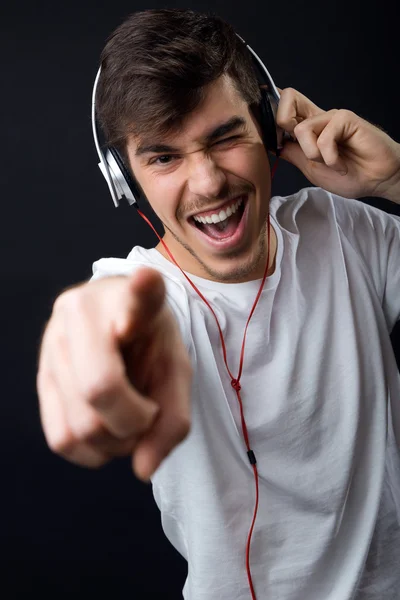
294	108
171	425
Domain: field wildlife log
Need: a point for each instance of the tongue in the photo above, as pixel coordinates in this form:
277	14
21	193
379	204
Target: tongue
230	225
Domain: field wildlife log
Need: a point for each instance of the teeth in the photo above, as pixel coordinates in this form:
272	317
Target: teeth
222	215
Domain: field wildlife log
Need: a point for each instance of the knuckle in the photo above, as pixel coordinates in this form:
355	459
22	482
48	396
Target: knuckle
300	127
60	442
86	430
100	392
289	91
58	304
345	114
330	163
281	120
62	301
76	300
73	299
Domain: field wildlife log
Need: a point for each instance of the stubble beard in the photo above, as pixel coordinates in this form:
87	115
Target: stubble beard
238	273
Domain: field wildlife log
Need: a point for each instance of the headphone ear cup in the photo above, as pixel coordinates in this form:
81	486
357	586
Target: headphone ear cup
267	122
132	190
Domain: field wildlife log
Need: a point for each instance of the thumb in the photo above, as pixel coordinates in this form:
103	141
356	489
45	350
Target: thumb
292	152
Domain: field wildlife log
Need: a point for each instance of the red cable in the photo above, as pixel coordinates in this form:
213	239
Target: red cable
235	382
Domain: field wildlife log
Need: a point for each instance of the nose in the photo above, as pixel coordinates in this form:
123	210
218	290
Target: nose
205	178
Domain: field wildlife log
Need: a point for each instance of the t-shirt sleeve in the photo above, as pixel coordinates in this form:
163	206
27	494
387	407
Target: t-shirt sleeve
375	235
391	299
108	267
176	295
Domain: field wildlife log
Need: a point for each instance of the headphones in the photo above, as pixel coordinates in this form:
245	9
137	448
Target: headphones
121	182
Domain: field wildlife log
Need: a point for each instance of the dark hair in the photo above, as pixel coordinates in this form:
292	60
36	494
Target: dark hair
156	67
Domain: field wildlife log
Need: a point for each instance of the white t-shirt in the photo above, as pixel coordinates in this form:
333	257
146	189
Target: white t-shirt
321	400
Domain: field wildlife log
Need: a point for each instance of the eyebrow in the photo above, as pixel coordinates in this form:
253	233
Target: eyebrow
229	126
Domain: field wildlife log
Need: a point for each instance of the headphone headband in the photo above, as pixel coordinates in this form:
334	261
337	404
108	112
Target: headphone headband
119	180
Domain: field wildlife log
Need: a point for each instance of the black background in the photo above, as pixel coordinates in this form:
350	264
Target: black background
68	531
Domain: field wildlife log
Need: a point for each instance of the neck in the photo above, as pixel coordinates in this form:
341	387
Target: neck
259	274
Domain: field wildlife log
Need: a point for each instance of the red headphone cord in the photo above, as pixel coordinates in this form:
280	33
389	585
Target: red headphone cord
235	382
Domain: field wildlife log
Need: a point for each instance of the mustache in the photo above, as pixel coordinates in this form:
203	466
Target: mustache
227	193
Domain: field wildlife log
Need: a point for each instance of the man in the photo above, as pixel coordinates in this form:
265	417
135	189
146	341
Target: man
275	467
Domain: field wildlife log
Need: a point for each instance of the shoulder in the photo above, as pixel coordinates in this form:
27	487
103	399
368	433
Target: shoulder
347	212
137	258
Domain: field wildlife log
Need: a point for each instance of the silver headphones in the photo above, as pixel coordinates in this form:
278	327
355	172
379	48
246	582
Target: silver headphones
120	181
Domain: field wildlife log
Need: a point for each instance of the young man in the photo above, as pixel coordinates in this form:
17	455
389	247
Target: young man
296	438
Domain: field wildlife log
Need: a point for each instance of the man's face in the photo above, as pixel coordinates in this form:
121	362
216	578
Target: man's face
217	161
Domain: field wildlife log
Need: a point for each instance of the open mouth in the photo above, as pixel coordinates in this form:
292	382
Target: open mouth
225	228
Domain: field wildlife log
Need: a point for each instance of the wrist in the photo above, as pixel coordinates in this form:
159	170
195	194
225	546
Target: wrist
390	189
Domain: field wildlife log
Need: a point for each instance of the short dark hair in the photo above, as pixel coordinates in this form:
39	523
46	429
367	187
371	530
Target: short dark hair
156	67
